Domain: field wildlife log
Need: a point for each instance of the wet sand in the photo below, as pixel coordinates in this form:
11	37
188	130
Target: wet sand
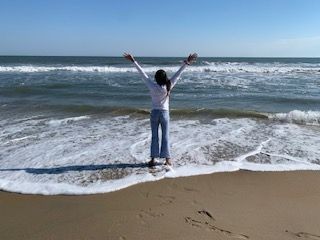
238	205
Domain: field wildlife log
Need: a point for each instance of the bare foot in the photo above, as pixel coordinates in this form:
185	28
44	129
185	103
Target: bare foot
152	163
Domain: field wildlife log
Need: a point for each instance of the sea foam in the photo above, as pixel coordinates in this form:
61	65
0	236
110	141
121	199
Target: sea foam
223	67
109	153
299	117
57	122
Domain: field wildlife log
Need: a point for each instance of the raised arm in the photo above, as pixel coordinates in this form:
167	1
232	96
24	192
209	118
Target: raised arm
145	77
177	75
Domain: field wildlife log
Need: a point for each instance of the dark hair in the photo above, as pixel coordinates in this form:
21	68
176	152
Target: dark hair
162	79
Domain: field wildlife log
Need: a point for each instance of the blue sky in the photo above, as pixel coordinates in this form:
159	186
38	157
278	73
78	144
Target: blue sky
262	28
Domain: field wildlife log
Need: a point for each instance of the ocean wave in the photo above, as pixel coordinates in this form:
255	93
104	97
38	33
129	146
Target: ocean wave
225	67
85	111
259	67
295	116
58	122
31	69
176	113
298	117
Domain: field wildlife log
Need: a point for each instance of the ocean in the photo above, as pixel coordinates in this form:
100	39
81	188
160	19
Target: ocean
80	125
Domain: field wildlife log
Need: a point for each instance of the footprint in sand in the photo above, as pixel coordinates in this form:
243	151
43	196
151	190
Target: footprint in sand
228	233
206	214
207	222
187	189
145	214
166	199
305	235
193	223
195	202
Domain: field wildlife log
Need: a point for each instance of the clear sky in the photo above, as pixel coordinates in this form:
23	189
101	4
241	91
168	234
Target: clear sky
262	28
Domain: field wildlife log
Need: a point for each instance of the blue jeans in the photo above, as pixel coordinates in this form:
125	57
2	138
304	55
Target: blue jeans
160	117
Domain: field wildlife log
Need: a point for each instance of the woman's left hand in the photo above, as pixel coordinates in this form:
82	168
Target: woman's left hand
128	57
192	58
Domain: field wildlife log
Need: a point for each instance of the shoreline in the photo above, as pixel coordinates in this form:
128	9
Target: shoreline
232	205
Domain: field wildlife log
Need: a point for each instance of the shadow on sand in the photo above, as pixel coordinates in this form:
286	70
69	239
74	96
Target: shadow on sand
78	168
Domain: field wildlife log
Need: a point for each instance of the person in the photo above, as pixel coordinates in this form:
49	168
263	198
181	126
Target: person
160	90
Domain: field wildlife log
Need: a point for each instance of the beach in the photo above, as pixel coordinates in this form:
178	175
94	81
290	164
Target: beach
75	139
126	120
235	205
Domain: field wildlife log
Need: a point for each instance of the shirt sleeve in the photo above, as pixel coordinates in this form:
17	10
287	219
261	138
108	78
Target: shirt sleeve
177	75
145	77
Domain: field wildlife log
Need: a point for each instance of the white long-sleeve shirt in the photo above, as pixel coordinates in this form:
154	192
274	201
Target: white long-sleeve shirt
159	96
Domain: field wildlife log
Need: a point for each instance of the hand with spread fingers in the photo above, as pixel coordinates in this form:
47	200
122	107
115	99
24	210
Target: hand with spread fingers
192	58
128	56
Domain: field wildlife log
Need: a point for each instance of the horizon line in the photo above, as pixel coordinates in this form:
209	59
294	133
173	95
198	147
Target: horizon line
120	56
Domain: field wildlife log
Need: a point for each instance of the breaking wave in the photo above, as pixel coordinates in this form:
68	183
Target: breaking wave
298	117
231	67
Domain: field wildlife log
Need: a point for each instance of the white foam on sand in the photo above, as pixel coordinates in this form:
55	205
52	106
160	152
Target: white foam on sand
114	185
86	155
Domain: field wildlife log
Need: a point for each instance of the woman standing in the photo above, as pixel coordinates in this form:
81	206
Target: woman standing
160	92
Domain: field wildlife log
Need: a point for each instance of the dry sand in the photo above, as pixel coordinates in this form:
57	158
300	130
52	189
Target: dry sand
238	205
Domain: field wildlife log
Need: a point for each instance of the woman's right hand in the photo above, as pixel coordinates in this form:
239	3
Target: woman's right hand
192	58
128	56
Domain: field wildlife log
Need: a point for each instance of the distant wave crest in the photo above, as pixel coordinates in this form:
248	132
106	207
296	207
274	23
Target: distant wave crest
58	122
231	67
